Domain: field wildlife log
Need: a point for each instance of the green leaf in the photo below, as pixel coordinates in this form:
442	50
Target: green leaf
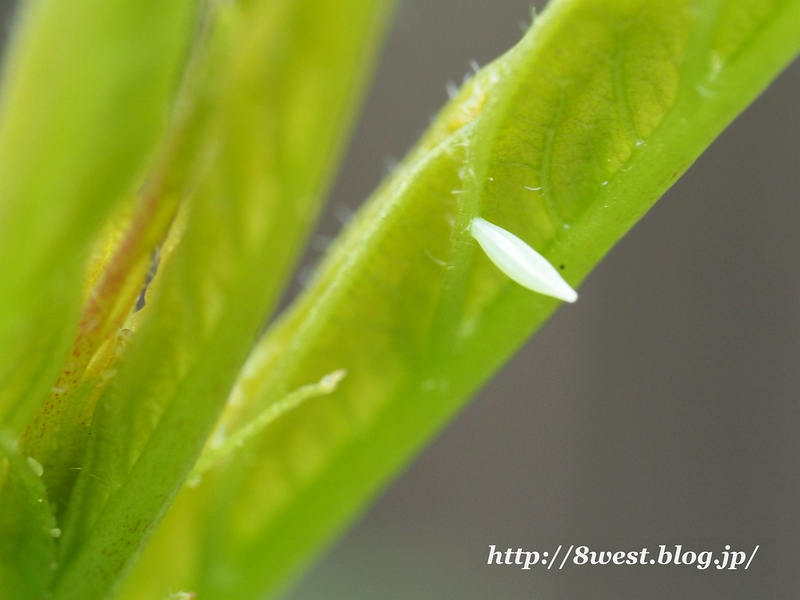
85	95
57	434
27	548
220	449
290	73
565	141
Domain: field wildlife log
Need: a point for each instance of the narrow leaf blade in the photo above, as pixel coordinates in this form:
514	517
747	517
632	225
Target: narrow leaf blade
85	93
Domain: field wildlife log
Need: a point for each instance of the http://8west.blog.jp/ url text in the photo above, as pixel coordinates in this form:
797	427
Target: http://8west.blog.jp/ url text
578	556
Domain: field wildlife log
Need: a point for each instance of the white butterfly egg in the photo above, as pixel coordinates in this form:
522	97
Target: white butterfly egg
520	262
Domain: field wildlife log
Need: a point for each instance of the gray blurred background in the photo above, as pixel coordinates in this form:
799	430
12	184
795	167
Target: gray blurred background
662	408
